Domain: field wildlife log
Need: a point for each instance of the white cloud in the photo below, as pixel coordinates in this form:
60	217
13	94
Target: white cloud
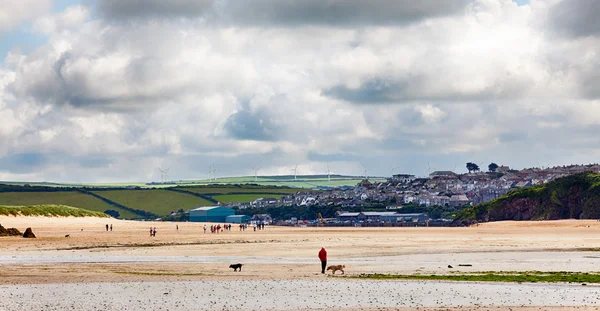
120	95
71	18
14	12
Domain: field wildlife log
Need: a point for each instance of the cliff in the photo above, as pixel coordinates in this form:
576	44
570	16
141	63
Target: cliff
575	196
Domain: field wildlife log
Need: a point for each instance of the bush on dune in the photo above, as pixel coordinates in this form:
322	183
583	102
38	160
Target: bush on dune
48	210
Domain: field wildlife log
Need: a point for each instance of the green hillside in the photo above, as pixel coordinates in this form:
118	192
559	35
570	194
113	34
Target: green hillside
242	198
300	182
70	198
49	210
575	196
160	202
241	189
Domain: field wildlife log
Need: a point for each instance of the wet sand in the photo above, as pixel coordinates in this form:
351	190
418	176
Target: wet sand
281	271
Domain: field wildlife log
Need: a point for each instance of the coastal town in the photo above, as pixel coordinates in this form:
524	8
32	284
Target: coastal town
440	188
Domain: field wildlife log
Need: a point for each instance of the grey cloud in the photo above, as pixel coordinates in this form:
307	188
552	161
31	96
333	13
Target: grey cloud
576	18
23	163
124	9
334	157
287	12
340	12
590	84
62	83
422	87
252	125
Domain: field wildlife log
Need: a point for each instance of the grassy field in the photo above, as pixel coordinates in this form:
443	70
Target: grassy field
70	198
307	182
301	181
220	190
242	198
49	210
160	202
529	276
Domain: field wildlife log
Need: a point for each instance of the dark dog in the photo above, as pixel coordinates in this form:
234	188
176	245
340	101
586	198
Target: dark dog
236	266
67	235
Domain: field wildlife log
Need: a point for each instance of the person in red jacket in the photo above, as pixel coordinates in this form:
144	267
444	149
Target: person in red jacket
323	258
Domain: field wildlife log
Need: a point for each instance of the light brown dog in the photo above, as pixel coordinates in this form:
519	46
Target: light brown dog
336	268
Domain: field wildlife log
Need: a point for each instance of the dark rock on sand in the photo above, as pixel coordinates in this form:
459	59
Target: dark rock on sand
28	233
9	231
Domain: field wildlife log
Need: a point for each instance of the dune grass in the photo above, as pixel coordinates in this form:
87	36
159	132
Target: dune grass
69	198
517	277
48	210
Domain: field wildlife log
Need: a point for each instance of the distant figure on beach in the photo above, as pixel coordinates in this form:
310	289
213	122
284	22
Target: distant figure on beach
154	232
323	258
151	231
205	229
110	227
176	227
106	227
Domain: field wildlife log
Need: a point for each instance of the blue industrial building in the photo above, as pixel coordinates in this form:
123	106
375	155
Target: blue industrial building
237	219
210	214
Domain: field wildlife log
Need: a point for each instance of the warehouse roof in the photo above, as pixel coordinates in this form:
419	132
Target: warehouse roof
204	208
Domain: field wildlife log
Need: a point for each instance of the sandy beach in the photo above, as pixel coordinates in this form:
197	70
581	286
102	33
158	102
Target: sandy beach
127	269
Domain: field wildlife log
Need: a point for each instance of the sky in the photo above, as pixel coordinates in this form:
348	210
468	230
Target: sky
110	90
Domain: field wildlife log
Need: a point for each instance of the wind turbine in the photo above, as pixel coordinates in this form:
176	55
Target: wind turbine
214	172
366	172
328	173
209	173
428	168
295	170
162	174
166	172
392	169
256	173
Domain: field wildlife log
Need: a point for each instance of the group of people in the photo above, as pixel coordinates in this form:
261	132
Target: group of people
107	227
152	231
218	228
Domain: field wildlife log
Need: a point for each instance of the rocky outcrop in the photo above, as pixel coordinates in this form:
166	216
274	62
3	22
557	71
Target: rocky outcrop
576	196
9	231
28	233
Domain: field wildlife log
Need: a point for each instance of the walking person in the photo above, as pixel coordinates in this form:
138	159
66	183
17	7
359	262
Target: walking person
154	232
106	227
323	258
110	227
204	229
177	227
151	231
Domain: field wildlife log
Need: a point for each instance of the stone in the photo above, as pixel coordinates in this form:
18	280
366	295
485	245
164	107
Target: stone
28	233
9	231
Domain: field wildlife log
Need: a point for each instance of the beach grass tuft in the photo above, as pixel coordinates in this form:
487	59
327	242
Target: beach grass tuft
48	210
516	277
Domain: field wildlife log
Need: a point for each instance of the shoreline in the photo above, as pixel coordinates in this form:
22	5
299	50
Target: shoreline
65	272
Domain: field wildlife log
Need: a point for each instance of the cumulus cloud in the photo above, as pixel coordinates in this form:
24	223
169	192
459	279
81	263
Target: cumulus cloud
115	96
14	12
72	17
